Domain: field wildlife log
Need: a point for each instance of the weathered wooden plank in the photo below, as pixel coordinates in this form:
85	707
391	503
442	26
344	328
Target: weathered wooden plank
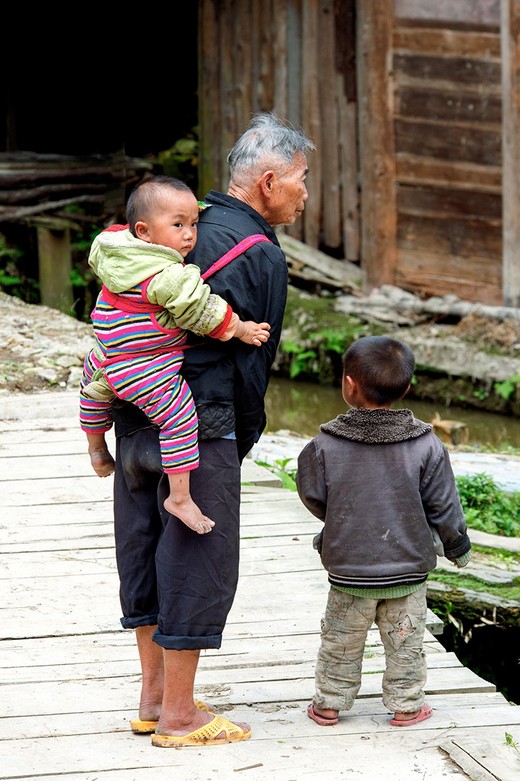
449	105
510	37
467	43
209	114
229	130
22	213
343	272
446	13
451	236
49	192
58	490
222	687
64	442
480	281
285	745
449	142
376	142
484	760
311	118
105	655
466	71
331	220
415	169
440	201
280	57
349	185
346	97
295	55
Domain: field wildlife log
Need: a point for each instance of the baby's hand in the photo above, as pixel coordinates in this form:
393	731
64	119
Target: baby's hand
253	333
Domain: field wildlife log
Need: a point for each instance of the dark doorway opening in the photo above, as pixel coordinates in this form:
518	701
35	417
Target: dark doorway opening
101	83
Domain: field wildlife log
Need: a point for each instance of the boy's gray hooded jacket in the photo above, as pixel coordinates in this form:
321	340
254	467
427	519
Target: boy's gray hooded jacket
380	479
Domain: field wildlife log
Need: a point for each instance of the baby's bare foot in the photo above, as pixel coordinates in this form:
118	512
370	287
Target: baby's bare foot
102	462
188	512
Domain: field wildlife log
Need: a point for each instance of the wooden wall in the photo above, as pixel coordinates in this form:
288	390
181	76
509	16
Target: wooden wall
296	58
404	101
447	122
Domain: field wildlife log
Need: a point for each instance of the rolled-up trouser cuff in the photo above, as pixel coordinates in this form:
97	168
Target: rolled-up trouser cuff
174	643
133	623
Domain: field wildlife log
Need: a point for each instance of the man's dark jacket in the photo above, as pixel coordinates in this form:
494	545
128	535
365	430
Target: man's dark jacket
229	380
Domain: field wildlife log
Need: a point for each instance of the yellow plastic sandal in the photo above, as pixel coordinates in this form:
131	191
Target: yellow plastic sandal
140	727
204	736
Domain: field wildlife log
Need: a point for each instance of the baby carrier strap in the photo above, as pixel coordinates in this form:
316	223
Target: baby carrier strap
132	306
234	252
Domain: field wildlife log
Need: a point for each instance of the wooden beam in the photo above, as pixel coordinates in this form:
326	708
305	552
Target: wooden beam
510	38
331	177
312	122
376	141
54	260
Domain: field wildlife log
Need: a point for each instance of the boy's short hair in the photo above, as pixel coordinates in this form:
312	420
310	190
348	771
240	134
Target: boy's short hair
383	367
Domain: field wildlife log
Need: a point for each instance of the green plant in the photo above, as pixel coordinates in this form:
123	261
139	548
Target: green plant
287	476
327	342
299	358
181	159
509	741
480	393
85	284
487	507
12	280
506	388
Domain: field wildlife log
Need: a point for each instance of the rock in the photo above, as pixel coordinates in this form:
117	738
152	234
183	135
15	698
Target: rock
42	347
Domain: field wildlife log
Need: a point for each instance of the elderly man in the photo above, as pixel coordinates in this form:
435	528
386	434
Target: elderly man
177	587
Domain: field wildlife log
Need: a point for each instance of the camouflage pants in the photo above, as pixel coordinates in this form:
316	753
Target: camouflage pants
401	623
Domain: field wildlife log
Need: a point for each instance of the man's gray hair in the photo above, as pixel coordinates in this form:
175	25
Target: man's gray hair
267	143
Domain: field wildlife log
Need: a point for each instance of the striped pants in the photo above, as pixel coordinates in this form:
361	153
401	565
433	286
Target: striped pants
154	384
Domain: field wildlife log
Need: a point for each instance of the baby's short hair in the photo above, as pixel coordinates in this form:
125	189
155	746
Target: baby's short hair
144	198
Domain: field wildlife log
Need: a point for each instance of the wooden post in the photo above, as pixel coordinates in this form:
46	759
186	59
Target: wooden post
510	41
376	142
54	263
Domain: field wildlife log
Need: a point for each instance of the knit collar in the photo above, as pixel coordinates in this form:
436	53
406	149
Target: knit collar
377	425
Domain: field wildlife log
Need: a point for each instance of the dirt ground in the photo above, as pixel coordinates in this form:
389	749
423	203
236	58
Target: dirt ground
488	333
42	349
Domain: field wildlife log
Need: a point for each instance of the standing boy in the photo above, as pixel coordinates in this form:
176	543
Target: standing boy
381	481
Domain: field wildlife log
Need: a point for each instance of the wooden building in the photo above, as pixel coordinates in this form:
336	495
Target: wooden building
415	110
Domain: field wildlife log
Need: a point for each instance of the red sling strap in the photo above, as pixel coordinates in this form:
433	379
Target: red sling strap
136	307
238	249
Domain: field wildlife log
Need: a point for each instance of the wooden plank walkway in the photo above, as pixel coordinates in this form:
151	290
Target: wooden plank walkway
69	675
